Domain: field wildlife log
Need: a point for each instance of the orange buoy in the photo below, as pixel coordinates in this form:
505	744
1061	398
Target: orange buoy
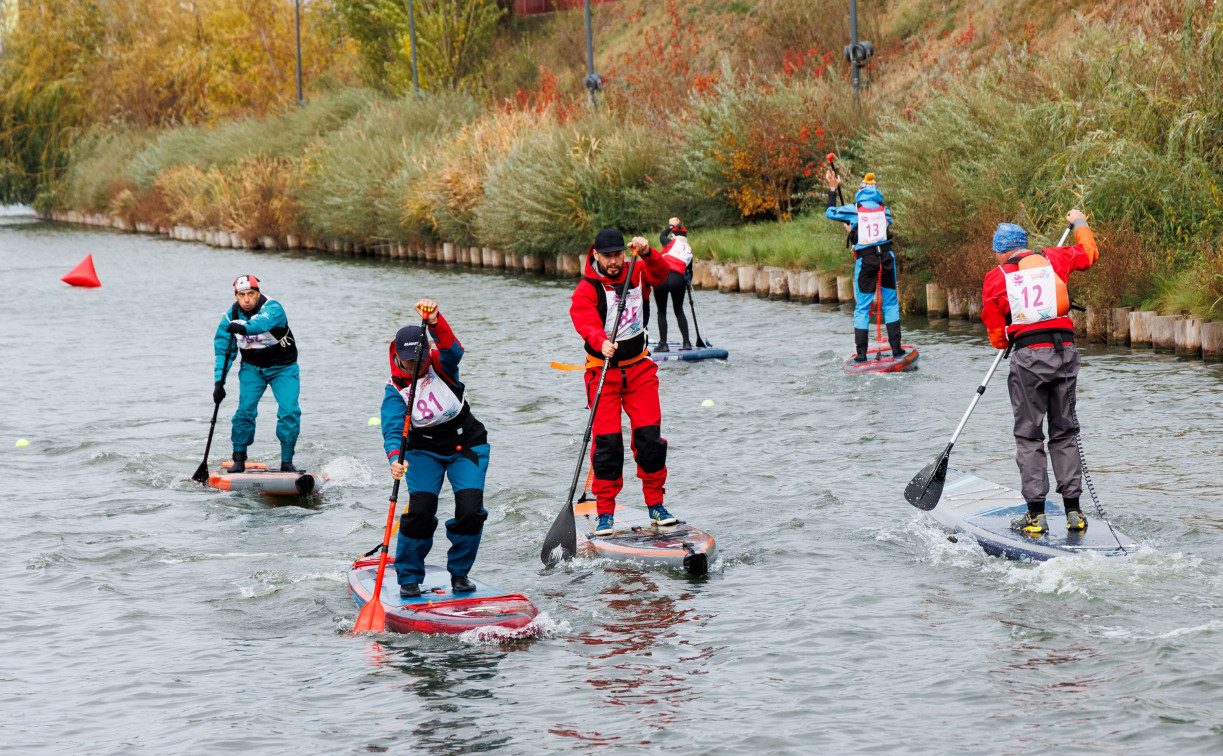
83	274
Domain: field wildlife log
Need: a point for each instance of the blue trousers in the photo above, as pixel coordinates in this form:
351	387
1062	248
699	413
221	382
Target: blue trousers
286	385
417	523
866	278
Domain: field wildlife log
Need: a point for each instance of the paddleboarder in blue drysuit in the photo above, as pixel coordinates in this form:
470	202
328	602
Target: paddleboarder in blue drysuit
869	223
261	331
446	440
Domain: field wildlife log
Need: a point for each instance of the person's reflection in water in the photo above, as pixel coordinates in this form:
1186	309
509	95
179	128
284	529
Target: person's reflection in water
649	670
451	681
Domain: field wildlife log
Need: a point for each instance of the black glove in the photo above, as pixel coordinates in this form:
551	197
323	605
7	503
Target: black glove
236	326
218	392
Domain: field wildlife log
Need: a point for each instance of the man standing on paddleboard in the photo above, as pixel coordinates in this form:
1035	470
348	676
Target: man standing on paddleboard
678	255
869	225
261	331
1025	305
446	440
631	385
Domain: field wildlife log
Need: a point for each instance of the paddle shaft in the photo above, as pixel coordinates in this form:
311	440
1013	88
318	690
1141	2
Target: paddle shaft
594	403
840	197
696	322
376	599
216	407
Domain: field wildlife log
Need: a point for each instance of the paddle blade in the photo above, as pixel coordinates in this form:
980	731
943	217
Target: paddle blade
561	542
926	488
201	473
372	618
563	366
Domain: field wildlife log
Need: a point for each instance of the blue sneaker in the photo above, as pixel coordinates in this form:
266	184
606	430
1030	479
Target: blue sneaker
660	516
606	525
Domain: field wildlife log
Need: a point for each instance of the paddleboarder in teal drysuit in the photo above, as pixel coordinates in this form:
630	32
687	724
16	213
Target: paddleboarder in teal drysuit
261	331
869	224
446	440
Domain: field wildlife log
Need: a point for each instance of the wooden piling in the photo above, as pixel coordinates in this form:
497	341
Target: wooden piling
808	286
826	287
936	301
1163	332
974	308
845	288
1212	340
1097	325
1140	328
728	278
1188	333
747	278
957	305
794	284
549	265
1119	326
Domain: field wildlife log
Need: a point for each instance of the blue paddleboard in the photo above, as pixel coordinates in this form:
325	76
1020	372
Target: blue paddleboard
695	354
975	508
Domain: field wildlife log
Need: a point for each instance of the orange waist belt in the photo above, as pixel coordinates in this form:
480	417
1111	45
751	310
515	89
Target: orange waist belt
594	362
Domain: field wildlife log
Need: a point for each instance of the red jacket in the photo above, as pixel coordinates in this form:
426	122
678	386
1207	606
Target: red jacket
677	262
650	271
996	308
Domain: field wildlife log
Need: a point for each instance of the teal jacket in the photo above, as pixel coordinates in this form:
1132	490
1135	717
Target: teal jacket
268	341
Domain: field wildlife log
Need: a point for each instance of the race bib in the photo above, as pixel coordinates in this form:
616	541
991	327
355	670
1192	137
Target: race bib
435	401
1032	293
255	340
872	225
631	322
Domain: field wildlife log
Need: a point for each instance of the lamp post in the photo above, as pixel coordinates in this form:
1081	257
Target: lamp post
593	81
857	53
297	20
412	38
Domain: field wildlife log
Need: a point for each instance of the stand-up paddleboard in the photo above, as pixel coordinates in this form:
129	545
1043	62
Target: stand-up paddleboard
263	479
879	359
438	609
695	354
983	511
676	547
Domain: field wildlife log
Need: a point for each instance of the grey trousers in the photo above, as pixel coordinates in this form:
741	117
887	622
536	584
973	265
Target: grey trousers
1042	383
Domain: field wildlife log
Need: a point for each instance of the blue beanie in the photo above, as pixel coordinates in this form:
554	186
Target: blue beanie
1008	237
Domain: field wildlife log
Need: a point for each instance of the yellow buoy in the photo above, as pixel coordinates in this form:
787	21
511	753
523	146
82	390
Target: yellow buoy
22	442
375	421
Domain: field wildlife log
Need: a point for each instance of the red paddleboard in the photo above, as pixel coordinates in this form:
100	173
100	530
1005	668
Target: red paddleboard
880	360
438	609
83	274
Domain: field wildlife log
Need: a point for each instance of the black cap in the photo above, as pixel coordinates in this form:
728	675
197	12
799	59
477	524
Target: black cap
609	240
407	343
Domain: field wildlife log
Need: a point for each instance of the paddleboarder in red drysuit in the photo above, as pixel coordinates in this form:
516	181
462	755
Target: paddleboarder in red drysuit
1025	305
631	385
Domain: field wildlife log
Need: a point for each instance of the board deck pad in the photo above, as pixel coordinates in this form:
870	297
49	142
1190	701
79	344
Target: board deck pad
266	480
696	354
438	609
879	359
636	539
983	510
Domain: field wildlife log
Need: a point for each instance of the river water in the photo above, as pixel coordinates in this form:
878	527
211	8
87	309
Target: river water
147	615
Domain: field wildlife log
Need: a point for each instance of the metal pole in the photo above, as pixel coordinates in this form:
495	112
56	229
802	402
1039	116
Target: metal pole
297	18
590	54
853	41
412	35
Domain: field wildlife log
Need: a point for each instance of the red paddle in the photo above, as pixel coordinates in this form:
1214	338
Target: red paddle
372	618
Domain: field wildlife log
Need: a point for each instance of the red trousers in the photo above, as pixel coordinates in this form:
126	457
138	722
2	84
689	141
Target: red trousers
632	389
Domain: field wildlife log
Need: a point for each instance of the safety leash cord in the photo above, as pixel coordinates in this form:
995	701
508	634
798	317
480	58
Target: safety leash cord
879	311
1091	488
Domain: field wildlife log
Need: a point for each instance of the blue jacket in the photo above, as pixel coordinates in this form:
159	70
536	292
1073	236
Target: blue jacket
268	317
445	360
868	197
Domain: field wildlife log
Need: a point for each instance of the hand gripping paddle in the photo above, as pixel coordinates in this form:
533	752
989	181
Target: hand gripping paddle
561	543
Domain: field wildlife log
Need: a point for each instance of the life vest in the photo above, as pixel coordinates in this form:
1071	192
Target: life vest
630	336
1034	291
267	349
442	421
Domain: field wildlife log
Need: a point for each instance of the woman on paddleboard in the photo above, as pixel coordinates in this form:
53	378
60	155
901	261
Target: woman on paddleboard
445	440
631	385
259	329
678	255
869	225
1025	306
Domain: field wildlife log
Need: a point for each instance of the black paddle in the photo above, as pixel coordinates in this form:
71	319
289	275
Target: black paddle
926	488
201	472
696	322
563	534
